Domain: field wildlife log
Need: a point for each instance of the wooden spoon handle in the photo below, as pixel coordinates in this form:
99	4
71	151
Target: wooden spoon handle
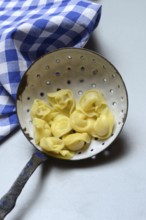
7	202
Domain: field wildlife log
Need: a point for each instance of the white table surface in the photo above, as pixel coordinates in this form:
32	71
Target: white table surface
113	186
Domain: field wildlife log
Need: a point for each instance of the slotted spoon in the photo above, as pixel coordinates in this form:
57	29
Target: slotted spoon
67	68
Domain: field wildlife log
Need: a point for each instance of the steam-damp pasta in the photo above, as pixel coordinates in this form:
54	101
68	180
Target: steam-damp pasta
41	129
62	101
103	126
91	102
55	146
40	109
63	125
80	122
60	126
76	141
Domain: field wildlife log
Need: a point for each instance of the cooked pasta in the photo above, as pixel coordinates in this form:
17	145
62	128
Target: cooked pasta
90	103
52	144
62	101
62	126
40	109
103	126
76	141
55	147
41	129
80	122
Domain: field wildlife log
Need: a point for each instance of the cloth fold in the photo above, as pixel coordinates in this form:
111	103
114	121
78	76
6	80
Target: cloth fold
31	28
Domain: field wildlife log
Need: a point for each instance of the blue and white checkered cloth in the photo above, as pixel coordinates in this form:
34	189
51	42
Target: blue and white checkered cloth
31	28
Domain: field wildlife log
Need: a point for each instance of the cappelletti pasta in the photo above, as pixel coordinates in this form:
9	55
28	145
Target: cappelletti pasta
80	122
55	147
63	125
91	102
103	126
76	141
62	101
41	129
40	109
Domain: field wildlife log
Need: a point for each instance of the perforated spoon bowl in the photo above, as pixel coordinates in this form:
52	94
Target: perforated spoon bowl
67	68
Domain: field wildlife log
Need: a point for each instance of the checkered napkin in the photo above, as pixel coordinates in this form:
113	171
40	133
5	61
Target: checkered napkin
31	28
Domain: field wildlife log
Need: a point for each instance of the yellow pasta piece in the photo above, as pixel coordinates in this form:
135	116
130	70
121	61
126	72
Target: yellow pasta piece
60	126
62	100
80	122
91	103
52	144
55	147
66	154
103	126
41	129
76	141
40	109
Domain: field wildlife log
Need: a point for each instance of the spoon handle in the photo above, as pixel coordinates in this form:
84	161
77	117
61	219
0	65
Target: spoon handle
7	202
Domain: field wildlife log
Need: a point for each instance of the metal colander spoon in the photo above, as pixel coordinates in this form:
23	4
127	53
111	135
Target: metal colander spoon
67	68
